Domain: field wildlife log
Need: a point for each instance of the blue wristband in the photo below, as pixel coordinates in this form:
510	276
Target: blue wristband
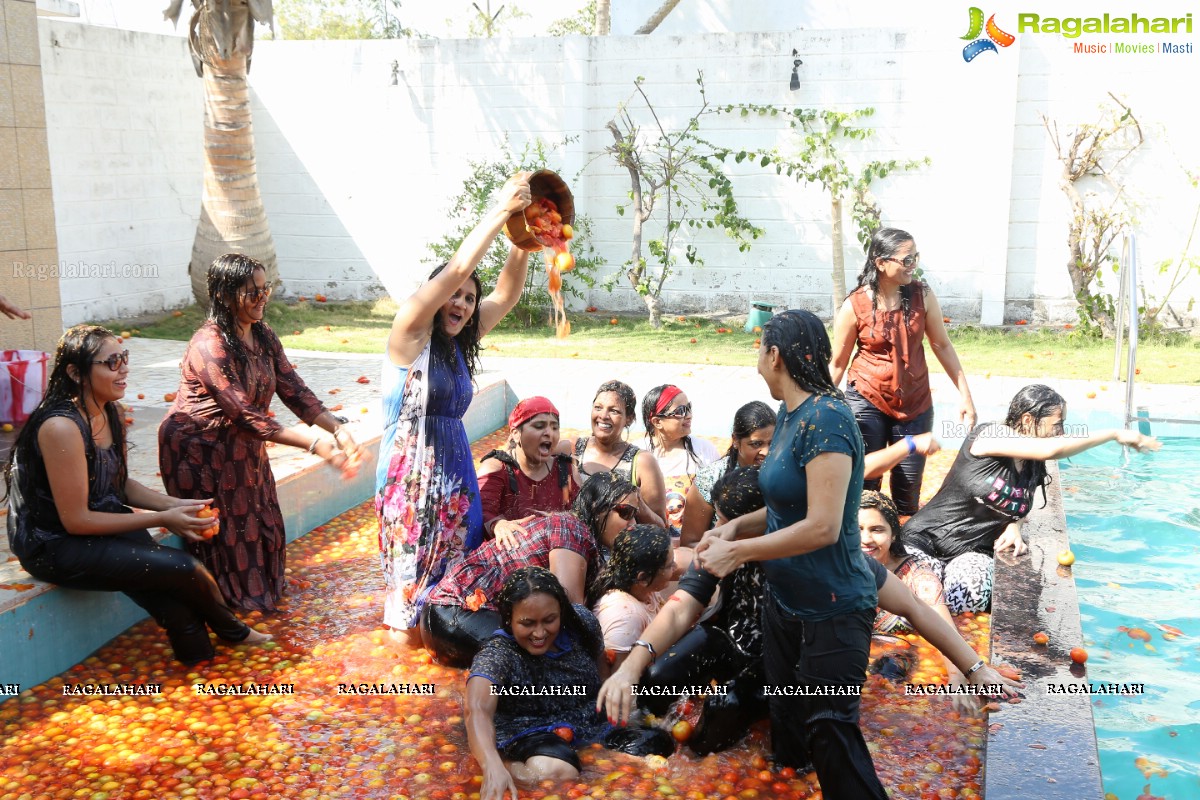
912	444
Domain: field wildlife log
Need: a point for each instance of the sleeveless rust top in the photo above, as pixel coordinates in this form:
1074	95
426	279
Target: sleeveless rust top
889	368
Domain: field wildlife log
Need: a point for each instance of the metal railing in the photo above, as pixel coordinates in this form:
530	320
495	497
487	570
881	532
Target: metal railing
1127	298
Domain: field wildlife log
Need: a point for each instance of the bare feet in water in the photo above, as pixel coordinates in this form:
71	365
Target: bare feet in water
409	639
256	637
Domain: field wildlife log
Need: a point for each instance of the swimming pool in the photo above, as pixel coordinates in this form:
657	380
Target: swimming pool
1135	529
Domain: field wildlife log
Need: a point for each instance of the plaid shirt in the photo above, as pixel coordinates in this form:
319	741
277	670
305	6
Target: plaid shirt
487	567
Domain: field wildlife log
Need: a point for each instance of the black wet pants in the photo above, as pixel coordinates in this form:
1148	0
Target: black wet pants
880	430
170	584
454	634
800	653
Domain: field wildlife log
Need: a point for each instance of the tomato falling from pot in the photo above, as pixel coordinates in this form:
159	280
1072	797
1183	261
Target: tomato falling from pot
547	226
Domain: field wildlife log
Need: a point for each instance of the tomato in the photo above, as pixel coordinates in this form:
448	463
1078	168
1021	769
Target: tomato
1079	655
554	281
682	730
565	732
564	261
1041	637
568	233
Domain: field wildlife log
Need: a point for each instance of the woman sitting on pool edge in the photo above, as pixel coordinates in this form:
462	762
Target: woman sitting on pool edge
546	644
989	491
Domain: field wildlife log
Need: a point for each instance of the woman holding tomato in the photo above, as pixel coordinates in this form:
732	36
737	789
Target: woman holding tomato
426	490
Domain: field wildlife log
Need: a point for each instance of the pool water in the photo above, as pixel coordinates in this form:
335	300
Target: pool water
1134	523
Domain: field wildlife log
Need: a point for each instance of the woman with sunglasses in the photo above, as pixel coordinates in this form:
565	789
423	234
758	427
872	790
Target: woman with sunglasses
212	442
461	613
667	415
887	318
69	498
989	491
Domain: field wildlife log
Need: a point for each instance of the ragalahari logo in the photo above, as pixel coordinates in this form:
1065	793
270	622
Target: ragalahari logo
994	37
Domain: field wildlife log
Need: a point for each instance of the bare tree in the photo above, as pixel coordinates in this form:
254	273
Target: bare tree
657	17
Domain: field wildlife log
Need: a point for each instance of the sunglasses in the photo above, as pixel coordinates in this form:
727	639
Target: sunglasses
680	412
908	261
625	511
115	361
254	295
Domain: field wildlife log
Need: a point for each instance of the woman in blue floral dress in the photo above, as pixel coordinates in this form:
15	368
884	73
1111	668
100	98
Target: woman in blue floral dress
426	495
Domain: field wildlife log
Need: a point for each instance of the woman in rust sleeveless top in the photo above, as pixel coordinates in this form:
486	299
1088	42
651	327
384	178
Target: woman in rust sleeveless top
887	317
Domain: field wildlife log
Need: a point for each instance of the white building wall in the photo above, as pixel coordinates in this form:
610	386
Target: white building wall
124	113
357	174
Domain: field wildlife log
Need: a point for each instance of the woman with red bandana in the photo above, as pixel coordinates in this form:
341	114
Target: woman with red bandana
528	477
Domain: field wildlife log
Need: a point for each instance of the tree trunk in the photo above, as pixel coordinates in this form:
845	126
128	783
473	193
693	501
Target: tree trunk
657	17
603	18
655	305
839	257
232	218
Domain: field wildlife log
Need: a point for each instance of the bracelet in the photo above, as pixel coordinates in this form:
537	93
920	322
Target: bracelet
312	448
648	646
978	665
912	444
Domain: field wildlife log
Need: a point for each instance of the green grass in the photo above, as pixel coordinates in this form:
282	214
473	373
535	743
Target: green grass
1032	353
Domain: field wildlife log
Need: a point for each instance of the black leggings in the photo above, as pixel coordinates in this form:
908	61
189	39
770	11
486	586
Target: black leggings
170	584
454	635
880	430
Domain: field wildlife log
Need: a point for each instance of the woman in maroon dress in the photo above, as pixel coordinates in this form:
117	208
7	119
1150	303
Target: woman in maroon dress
212	442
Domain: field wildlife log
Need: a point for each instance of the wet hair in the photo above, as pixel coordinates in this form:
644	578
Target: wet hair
880	502
637	555
737	493
1040	401
228	275
649	404
78	347
748	419
628	398
468	338
529	581
597	497
804	347
884	244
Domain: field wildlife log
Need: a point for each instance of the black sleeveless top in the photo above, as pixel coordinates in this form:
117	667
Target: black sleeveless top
625	467
980	496
32	516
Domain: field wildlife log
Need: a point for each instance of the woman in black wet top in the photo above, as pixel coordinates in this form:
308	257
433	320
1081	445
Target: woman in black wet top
69	493
989	491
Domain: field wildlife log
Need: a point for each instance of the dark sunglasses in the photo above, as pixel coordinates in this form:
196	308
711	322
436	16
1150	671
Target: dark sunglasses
680	412
908	261
625	511
115	361
254	295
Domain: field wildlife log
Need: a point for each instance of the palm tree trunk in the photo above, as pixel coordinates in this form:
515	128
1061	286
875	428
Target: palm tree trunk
232	218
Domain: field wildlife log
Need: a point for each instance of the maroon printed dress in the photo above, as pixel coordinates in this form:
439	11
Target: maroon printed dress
212	443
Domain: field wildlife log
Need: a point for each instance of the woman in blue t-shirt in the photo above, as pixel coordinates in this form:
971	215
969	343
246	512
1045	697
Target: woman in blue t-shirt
820	600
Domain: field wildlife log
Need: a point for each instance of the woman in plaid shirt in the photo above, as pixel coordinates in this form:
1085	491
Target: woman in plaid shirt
462	614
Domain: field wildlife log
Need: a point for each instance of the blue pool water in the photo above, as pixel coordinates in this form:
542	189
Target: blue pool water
1134	524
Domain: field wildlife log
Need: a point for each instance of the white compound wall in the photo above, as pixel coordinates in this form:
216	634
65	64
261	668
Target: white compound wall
357	173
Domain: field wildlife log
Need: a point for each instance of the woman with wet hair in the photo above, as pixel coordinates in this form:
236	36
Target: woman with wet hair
753	427
70	520
528	477
624	596
213	441
614	409
461	612
820	597
887	318
990	488
550	654
426	491
667	415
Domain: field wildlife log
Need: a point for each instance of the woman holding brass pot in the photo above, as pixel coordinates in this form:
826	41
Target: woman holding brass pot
427	495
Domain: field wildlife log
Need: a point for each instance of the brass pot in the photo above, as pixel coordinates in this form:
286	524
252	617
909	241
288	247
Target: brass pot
543	183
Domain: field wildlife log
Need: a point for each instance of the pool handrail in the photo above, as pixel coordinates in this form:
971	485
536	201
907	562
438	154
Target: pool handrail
1127	304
